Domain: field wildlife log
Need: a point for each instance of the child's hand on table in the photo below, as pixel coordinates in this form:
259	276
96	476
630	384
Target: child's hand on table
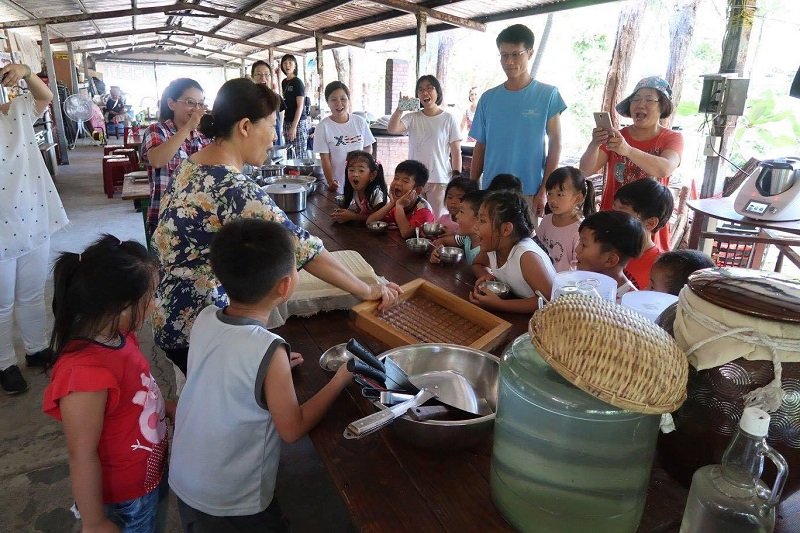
295	358
342	215
435	254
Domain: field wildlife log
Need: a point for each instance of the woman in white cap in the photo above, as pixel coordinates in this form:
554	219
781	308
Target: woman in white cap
643	149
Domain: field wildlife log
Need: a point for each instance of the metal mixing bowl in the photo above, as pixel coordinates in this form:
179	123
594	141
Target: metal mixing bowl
481	369
503	290
433	229
379	226
450	255
419	246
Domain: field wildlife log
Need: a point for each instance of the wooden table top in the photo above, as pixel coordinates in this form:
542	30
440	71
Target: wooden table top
722	209
386	484
135	190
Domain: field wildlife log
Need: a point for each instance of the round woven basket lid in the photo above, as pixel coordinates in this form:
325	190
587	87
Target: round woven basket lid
768	295
611	352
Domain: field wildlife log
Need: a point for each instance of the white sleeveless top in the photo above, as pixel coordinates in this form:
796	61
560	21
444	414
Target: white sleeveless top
511	272
226	449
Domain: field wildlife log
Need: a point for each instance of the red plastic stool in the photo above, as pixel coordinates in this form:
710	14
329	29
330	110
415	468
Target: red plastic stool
131	154
114	170
107	149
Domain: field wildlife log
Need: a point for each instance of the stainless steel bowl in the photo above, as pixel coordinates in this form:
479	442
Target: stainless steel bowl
433	229
379	226
306	167
419	246
340	201
481	369
334	357
450	255
503	290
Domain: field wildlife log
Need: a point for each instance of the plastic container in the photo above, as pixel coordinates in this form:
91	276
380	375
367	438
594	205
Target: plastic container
648	303
605	286
564	460
731	498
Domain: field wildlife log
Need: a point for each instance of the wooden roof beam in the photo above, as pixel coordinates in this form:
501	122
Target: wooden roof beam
111	35
416	9
284	27
64	19
115	47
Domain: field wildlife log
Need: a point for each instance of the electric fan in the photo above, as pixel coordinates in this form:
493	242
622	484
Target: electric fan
78	108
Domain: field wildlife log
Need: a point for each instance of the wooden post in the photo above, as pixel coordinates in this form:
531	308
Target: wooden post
51	76
422	44
734	54
73	75
321	86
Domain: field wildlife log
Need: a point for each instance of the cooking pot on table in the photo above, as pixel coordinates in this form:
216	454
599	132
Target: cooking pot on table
305	167
290	197
481	369
309	182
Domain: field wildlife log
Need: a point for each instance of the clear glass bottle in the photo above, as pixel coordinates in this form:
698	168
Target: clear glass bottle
731	498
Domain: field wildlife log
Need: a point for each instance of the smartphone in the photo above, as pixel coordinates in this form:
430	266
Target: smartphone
603	120
411	104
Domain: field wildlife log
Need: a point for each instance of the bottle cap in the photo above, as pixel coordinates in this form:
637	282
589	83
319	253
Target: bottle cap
755	421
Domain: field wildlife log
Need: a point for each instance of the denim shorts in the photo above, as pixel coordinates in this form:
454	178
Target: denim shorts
146	514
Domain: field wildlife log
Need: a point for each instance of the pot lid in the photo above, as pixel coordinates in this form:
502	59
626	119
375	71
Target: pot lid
767	295
612	353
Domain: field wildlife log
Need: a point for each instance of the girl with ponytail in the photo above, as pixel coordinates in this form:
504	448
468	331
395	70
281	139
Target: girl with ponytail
101	388
508	254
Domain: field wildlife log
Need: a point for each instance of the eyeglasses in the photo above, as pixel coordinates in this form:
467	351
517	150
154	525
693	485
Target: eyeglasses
637	99
425	88
513	55
190	102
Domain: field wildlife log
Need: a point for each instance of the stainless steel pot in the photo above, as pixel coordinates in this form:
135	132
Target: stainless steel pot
267	171
306	167
309	182
481	369
290	197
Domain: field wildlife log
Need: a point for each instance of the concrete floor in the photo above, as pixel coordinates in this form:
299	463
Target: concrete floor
34	472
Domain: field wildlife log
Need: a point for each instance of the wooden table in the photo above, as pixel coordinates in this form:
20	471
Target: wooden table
139	192
133	140
722	209
386	484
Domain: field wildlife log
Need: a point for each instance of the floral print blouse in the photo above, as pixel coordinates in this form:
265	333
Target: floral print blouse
197	202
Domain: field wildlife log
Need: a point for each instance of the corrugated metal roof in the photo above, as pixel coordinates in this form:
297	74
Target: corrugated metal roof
355	20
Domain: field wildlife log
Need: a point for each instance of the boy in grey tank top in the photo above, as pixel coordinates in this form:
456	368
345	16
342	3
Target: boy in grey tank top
239	400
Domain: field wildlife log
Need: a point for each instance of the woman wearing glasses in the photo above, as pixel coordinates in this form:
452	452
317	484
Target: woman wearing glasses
208	191
171	140
643	149
434	138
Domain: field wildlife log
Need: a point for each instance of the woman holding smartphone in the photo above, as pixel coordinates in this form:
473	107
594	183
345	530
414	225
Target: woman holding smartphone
644	149
434	138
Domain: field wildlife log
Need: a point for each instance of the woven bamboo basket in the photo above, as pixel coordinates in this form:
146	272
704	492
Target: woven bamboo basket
612	353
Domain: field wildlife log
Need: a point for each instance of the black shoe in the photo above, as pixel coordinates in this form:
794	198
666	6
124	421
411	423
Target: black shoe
12	381
40	358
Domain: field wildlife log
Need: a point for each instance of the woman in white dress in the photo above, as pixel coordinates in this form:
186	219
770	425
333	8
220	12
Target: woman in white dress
30	211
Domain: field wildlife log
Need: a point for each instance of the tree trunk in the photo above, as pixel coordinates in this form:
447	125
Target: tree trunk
342	60
630	19
357	83
444	50
681	30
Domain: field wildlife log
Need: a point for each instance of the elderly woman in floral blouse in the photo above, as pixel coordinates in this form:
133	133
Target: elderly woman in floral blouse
209	190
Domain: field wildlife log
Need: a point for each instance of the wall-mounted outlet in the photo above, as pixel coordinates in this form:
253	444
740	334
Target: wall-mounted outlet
712	145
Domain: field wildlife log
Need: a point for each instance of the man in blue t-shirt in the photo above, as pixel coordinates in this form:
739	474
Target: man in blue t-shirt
512	119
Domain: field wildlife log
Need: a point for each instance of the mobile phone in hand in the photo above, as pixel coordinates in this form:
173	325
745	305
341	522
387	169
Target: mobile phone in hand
409	104
603	120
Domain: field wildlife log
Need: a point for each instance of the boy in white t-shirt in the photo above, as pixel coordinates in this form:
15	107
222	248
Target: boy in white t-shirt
608	240
239	400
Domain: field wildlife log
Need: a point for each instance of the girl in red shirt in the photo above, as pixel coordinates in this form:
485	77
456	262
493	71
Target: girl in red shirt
101	387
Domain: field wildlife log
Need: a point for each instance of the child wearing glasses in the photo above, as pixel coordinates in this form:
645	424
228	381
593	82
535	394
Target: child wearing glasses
512	119
643	149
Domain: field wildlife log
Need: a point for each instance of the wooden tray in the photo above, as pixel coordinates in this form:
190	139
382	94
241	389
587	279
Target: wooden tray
427	313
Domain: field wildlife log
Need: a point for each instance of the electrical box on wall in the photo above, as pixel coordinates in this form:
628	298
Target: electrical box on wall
723	94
